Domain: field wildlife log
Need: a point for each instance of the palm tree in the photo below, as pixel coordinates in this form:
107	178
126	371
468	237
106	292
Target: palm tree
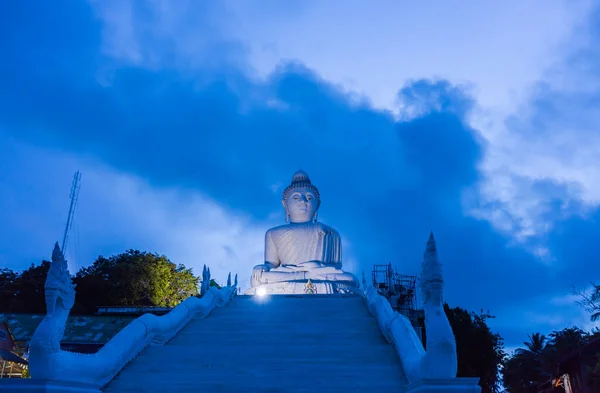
525	370
536	344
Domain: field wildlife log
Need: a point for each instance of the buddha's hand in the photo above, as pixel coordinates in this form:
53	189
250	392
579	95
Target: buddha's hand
311	265
257	273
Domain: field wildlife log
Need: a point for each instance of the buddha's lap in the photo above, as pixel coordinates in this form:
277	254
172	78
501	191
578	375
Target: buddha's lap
304	268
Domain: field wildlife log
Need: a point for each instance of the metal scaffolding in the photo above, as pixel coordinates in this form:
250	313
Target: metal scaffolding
401	292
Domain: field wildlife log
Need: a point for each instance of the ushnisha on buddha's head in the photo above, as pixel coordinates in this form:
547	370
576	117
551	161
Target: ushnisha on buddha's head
301	199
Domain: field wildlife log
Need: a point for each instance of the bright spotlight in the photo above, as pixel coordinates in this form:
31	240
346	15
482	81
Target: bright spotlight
262	291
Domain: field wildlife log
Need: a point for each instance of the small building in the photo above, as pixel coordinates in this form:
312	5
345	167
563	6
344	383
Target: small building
11	364
83	333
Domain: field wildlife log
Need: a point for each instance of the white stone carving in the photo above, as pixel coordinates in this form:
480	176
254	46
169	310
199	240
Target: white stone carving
75	371
434	369
303	249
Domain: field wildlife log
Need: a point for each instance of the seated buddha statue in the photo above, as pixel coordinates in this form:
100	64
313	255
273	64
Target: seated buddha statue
302	249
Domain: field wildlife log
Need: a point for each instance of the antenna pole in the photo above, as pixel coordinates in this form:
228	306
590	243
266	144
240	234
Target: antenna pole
74	195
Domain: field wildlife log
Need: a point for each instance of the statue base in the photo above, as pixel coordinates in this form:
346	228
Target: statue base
302	287
451	385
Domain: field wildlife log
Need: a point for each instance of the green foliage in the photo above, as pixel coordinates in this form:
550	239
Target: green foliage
213	283
133	278
480	351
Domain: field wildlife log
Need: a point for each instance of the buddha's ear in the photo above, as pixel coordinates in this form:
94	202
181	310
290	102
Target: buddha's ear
284	204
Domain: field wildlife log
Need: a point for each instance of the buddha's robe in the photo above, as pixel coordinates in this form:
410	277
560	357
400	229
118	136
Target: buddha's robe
303	251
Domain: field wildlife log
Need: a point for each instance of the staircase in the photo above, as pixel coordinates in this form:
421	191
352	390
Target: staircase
282	343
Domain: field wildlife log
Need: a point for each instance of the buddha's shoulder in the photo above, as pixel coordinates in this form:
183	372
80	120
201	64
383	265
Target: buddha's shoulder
277	230
325	228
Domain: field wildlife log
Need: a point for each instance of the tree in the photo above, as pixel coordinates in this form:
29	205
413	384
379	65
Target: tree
480	351
590	301
524	371
536	344
536	363
133	278
8	279
24	292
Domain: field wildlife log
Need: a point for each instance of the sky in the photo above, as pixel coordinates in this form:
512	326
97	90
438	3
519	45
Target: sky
476	120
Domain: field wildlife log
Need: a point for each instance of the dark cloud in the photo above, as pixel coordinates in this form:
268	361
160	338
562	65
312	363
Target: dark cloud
385	184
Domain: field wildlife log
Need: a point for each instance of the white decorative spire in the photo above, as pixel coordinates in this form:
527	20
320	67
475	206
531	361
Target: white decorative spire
205	280
229	279
432	279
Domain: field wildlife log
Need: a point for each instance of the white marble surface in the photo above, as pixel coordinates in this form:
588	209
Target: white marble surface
439	362
47	362
15	385
286	343
303	248
451	385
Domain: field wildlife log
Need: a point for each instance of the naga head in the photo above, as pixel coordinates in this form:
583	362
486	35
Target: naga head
60	291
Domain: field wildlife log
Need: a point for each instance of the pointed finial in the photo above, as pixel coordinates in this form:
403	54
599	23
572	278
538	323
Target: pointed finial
235	283
431	247
431	276
205	280
57	254
229	279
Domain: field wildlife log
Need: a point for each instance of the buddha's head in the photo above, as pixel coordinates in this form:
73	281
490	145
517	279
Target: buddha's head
301	199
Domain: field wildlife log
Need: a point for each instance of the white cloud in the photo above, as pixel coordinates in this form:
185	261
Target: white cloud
545	157
369	48
185	34
492	46
543	315
117	211
374	48
187	226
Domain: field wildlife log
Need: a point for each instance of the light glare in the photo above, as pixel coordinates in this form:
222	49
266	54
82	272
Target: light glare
262	291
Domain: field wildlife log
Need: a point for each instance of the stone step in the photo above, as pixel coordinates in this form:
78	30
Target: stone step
278	344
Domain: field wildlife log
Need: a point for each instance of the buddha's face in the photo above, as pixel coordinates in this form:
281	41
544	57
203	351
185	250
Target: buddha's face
300	205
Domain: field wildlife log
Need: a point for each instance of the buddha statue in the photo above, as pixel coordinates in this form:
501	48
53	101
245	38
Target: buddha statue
303	250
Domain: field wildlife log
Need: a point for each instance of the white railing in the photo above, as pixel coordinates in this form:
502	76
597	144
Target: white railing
397	330
98	369
431	370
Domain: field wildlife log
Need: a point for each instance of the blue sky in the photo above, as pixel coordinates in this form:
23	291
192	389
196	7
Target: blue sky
476	120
